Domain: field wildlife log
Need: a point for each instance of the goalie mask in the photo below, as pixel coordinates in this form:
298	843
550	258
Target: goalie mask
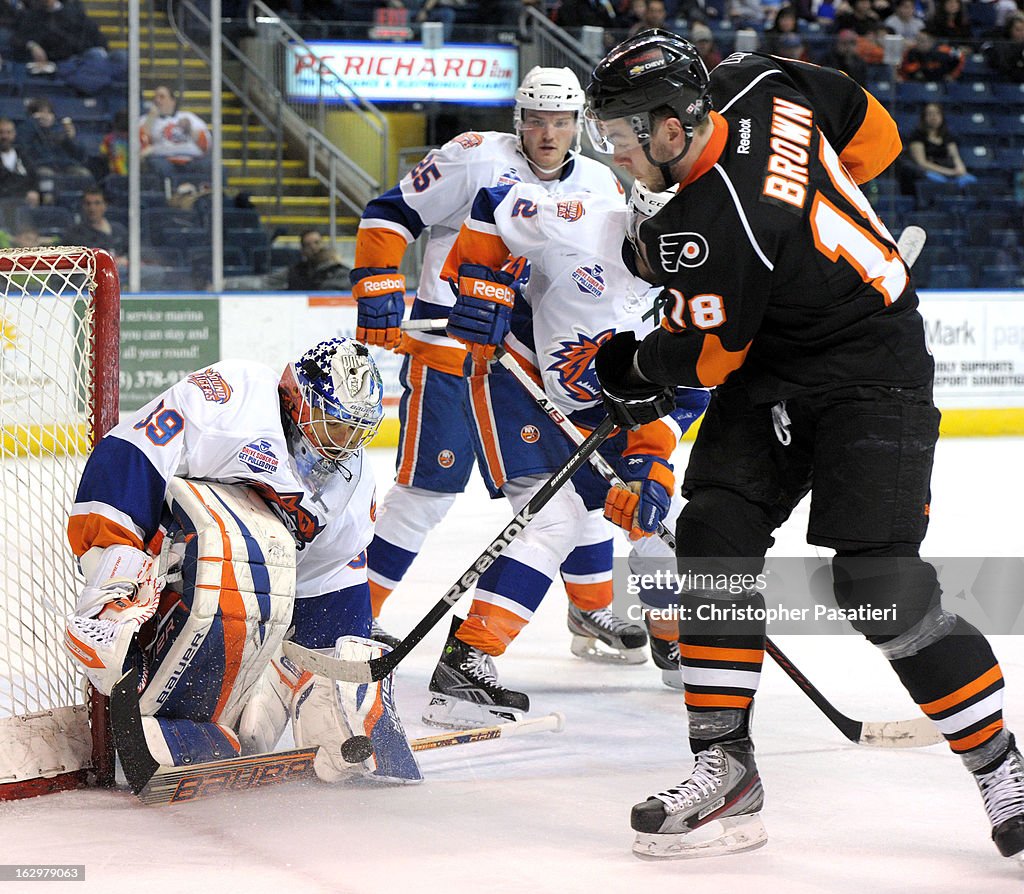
333	395
655	71
549	90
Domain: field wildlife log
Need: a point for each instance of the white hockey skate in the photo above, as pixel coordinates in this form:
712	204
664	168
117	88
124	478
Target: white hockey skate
1002	790
601	635
714	812
465	692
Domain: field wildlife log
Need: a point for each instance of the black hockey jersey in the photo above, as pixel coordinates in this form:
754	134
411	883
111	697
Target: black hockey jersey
777	271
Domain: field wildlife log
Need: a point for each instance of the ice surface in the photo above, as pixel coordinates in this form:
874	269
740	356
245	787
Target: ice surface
550	813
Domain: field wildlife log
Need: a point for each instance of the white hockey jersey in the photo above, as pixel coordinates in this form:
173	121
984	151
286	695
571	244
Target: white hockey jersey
439	193
223	424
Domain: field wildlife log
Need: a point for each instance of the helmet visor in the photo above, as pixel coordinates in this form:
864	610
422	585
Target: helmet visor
617	134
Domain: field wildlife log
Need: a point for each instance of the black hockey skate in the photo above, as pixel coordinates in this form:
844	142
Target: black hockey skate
379	634
601	635
666	659
465	692
1002	789
714	812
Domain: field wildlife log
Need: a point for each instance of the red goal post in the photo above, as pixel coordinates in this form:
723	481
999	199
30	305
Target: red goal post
59	337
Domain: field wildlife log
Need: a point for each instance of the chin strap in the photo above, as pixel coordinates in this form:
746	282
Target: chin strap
569	156
665	167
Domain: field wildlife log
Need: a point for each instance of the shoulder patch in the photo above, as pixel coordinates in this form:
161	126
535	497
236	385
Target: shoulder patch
259	457
469	140
214	386
571	210
589	279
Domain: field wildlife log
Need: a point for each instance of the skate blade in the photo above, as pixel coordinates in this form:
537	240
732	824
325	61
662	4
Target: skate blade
445	712
590	648
729	835
673	679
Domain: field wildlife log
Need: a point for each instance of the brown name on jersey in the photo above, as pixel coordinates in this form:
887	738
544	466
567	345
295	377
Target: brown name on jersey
792	126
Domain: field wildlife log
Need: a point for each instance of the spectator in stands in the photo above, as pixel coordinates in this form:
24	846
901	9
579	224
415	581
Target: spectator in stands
859	18
930	60
905	21
320	267
174	143
746	13
114	146
792	46
950	22
703	39
577	13
870	46
94	230
60	37
653	17
844	57
785	22
1006	56
19	183
933	150
443	11
52	146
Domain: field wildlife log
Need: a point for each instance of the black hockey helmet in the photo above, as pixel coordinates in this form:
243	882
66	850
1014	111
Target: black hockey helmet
655	69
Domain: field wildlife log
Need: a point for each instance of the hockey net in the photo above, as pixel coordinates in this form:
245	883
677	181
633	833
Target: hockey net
59	316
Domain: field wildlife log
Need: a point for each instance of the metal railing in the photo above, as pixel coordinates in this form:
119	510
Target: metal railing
256	74
542	42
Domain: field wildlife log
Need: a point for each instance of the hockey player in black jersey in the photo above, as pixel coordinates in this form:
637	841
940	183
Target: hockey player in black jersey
784	292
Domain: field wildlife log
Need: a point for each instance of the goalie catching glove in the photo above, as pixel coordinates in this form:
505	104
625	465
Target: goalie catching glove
629	399
643	506
482	315
380	305
122	592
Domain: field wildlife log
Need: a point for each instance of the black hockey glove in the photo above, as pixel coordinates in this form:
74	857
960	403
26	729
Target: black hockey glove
629	399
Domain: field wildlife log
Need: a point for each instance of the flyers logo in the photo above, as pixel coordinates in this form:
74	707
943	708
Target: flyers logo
469	140
678	250
575	365
571	210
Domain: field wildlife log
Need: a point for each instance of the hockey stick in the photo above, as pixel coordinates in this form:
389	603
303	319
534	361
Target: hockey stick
378	668
915	733
155	784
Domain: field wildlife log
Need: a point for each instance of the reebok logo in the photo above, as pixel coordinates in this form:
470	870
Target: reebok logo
481	288
383	285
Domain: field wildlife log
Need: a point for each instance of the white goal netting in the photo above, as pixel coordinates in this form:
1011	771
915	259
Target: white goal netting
58	391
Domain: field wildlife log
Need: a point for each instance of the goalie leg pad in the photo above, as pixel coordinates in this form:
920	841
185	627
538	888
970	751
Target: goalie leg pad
226	617
269	708
328	715
178	743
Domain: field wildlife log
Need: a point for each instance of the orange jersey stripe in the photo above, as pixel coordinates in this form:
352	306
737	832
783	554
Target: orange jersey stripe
378	596
875	146
444	358
716	700
976	739
964	692
716	653
590	597
480	401
715	362
654	439
413	417
379	247
87	531
474	247
490	628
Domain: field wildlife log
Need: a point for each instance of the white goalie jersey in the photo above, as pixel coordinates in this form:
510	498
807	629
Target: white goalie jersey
224	424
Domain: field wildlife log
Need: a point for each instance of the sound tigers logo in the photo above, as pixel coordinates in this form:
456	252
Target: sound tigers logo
469	140
575	365
213	385
571	210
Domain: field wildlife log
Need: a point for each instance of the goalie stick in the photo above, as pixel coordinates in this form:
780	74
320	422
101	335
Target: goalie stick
154	784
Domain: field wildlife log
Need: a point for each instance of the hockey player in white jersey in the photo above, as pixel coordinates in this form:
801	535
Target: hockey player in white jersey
435	456
580	293
233	506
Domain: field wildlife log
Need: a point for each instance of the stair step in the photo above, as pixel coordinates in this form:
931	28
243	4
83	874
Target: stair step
291	182
159	45
312	220
288	164
303	201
